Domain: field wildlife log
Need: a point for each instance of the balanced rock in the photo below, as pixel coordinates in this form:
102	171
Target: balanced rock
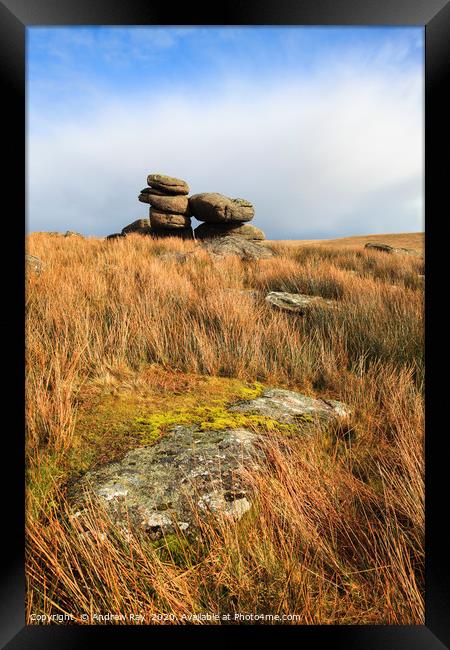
217	208
246	249
167	184
160	220
116	235
177	204
211	230
141	226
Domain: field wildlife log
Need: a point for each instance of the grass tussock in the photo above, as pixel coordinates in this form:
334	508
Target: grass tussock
336	535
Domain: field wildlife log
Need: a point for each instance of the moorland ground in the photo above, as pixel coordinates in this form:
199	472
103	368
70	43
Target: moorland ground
117	330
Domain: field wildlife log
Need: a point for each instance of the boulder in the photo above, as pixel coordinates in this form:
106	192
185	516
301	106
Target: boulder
168	184
298	302
246	249
116	235
33	263
177	204
72	233
211	230
141	226
217	208
293	408
160	220
157	488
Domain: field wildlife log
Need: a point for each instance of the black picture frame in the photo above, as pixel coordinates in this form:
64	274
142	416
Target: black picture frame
15	16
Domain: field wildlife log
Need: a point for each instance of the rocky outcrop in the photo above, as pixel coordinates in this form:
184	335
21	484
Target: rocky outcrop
160	487
297	302
191	472
140	226
246	249
212	230
213	207
169	206
171	210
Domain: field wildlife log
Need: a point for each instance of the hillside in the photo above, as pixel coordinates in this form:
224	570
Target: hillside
132	339
413	240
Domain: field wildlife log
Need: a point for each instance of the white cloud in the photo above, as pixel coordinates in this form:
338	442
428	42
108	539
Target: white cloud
338	155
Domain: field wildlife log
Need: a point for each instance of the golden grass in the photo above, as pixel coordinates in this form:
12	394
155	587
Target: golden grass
336	535
412	240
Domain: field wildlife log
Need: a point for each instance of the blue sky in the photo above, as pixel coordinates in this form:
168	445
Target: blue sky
321	128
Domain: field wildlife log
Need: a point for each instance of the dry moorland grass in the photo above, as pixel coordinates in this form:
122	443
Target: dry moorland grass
412	240
336	534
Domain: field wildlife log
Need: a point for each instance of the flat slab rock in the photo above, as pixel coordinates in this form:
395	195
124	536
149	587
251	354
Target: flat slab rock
297	302
159	484
385	248
157	488
291	408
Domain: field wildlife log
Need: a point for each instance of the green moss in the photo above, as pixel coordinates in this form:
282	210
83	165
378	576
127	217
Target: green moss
110	424
206	418
176	549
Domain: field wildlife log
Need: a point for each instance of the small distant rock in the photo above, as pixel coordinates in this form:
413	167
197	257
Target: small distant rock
297	302
72	233
33	263
213	207
246	249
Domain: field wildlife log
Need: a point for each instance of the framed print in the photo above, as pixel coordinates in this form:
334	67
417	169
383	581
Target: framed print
229	422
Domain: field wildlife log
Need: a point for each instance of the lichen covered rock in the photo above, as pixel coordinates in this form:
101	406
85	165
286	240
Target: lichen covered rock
213	207
158	488
298	302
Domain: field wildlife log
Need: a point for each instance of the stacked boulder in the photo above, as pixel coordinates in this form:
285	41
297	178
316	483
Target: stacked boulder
223	216
169	206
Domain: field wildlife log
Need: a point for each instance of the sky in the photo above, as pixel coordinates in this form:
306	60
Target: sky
321	128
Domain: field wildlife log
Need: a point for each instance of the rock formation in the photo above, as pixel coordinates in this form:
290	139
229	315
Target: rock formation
223	216
171	209
298	303
169	206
